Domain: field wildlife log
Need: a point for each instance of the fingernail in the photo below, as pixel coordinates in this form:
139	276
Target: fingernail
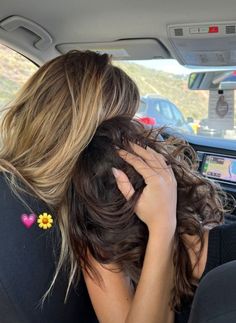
116	172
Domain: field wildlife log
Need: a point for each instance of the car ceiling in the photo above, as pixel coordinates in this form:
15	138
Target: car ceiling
97	21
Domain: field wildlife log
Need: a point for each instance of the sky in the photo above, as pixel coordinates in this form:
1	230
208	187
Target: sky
167	65
172	66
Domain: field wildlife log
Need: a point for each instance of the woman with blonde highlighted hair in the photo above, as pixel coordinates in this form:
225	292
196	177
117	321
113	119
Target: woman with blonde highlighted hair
92	201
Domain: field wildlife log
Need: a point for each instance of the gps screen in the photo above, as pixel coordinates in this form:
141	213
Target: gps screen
222	168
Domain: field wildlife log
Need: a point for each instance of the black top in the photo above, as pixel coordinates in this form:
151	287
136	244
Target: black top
221	249
28	256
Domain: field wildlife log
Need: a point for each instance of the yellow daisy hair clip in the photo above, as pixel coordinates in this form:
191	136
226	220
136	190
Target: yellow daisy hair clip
45	221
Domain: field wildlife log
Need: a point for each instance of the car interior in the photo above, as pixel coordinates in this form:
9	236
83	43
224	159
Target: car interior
183	51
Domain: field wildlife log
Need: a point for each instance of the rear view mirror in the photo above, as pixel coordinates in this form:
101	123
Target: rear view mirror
212	80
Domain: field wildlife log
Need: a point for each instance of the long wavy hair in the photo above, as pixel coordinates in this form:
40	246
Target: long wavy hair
55	121
52	120
103	223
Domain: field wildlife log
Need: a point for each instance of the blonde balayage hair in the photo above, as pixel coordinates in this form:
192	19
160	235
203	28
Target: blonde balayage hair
52	120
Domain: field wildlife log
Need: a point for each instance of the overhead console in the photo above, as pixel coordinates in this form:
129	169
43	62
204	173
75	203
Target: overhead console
204	44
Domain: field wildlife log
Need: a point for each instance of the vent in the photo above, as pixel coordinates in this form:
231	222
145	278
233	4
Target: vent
178	32
230	29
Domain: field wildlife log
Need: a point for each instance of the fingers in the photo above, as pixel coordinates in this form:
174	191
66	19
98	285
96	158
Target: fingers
150	156
123	183
147	162
139	165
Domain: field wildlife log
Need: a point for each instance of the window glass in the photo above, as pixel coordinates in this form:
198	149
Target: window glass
177	114
15	70
167	79
166	110
142	106
156	106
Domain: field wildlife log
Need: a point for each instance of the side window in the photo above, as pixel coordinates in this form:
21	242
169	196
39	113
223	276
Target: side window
15	70
166	110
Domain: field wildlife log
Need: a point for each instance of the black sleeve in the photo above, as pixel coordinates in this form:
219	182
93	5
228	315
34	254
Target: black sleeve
28	258
221	246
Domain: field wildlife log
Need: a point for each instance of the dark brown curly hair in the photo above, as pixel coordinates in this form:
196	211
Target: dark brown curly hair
104	223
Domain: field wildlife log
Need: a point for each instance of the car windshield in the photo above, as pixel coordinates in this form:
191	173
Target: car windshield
167	101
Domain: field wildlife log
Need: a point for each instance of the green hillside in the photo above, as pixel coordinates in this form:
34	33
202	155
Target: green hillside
174	87
15	70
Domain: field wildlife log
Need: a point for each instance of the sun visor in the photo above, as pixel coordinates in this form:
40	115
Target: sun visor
205	44
127	49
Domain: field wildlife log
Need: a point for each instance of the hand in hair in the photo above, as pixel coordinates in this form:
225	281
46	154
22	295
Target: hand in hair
115	301
157	204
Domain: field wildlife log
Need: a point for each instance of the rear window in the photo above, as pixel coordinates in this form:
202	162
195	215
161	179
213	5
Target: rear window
142	106
166	110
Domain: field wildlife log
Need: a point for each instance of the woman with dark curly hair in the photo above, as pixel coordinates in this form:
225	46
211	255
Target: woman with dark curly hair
104	226
86	188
